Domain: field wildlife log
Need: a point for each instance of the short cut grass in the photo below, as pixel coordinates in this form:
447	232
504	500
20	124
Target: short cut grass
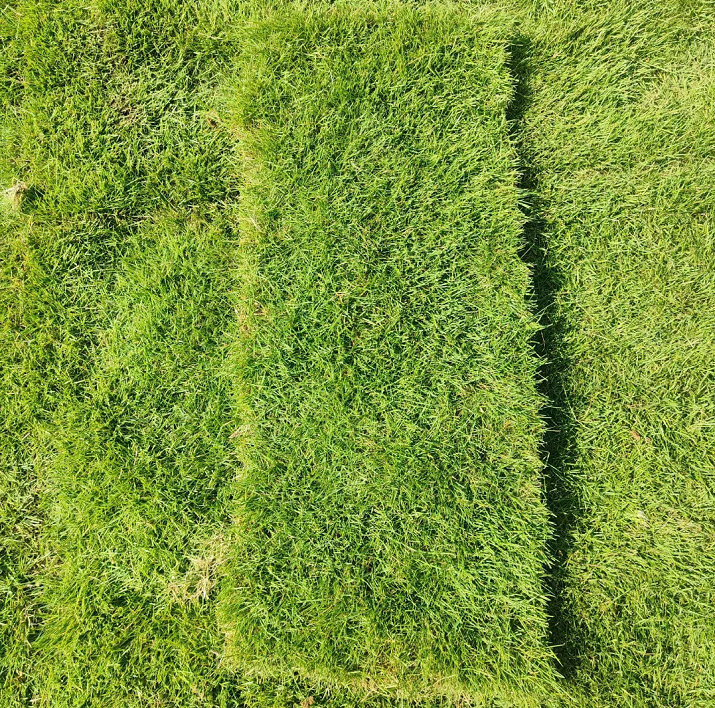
619	137
389	532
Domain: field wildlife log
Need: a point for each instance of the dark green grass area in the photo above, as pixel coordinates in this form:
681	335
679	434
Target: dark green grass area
390	531
617	130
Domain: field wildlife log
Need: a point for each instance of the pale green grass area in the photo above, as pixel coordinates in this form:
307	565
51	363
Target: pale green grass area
390	533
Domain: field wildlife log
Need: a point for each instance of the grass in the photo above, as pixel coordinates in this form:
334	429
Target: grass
119	408
617	134
355	335
390	532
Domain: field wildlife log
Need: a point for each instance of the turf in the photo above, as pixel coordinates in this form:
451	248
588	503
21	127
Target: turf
362	355
617	131
389	532
118	418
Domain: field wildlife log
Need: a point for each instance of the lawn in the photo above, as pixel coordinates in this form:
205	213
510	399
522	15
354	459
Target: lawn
390	529
357	353
618	137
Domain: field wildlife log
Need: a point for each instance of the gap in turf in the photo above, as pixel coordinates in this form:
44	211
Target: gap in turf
557	447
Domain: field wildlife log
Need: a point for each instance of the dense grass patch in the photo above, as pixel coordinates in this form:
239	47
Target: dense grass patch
133	491
362	357
116	283
389	529
618	131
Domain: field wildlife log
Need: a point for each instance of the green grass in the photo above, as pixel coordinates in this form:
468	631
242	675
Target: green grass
618	136
362	356
120	404
390	533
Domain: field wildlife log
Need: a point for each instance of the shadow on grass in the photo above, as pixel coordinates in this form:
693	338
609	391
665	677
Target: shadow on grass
558	445
31	197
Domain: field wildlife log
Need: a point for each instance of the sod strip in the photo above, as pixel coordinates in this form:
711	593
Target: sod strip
117	255
621	138
389	531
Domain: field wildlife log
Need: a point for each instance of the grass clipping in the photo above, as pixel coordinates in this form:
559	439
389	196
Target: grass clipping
390	533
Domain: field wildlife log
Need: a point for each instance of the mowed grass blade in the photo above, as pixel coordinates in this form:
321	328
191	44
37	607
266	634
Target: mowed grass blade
620	137
390	532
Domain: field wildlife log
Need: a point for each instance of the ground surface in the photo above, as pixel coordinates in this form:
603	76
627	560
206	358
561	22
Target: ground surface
123	348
